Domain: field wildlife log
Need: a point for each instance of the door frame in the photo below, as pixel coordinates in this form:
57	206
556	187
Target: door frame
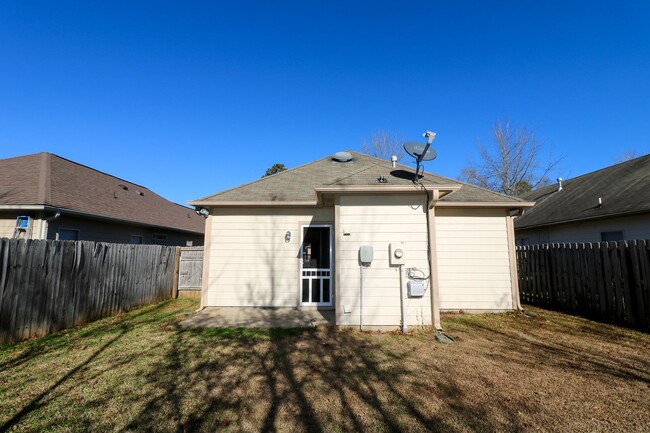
331	268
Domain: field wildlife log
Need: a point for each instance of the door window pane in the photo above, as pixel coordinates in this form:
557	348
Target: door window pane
315	290
305	290
326	290
316	247
611	236
68	235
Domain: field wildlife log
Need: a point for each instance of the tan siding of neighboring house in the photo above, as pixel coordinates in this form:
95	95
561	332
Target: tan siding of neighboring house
8	224
473	260
378	221
250	264
633	227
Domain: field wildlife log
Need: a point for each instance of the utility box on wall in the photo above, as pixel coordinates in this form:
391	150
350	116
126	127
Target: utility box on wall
366	254
415	289
396	253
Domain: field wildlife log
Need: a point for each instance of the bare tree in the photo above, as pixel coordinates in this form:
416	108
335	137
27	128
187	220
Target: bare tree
626	156
383	144
512	164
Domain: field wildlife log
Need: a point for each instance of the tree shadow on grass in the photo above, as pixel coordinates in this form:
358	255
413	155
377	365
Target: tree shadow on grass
310	380
68	338
299	380
574	345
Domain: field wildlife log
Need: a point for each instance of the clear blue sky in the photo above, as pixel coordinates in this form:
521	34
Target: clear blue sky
189	98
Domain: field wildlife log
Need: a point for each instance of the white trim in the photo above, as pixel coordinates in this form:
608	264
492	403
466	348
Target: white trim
486	204
330	269
21	207
253	203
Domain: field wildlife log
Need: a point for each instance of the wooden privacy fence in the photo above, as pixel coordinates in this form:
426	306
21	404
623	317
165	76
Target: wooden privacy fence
46	286
609	281
190	272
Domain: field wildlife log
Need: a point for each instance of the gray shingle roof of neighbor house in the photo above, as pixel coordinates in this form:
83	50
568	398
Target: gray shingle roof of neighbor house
623	188
299	184
45	179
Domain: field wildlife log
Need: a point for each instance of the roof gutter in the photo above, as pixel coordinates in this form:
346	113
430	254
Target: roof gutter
22	207
487	204
64	211
208	203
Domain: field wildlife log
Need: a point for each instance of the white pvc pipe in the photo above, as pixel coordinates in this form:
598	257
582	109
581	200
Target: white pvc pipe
361	298
402	302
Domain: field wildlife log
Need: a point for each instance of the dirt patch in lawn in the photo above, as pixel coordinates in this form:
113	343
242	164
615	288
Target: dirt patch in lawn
140	372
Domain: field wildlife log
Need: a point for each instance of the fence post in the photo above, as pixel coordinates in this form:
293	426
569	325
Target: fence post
177	259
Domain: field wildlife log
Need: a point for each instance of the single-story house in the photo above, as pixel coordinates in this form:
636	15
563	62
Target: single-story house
611	204
349	233
44	196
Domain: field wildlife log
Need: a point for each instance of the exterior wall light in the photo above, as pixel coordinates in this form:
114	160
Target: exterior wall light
287	237
201	211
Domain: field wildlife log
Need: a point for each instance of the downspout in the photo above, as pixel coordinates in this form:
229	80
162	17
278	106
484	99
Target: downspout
512	255
45	224
432	199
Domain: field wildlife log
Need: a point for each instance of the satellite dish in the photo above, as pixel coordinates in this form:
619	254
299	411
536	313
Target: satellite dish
415	149
421	152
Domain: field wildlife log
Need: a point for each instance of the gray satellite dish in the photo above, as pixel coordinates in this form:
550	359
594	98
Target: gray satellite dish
415	149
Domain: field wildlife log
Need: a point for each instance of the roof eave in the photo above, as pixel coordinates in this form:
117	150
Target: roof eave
208	203
486	204
576	220
73	212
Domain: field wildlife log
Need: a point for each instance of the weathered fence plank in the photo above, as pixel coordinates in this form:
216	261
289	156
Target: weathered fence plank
46	286
608	280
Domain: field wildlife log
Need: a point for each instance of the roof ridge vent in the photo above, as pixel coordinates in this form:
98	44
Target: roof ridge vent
342	157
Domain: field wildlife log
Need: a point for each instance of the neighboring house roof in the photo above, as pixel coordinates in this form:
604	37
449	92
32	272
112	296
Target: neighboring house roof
45	179
623	188
299	184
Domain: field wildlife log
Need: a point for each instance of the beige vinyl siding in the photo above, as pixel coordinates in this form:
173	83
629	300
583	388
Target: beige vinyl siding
378	221
250	263
473	259
8	224
633	227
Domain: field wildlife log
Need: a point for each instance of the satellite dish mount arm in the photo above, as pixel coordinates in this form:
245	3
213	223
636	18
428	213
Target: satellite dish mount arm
430	136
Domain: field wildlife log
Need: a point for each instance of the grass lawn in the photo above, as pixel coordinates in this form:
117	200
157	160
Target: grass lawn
506	372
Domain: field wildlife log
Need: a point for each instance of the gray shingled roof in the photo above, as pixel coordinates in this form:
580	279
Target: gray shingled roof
298	183
49	180
624	189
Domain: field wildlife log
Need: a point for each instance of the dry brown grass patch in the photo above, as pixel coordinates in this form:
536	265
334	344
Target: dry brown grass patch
139	372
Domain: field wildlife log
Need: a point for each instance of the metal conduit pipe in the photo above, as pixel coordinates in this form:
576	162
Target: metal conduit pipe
402	302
